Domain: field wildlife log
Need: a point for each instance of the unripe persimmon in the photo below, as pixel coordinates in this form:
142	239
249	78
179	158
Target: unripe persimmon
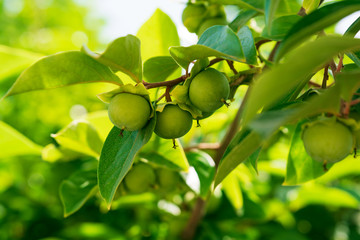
173	122
140	178
129	111
327	140
209	90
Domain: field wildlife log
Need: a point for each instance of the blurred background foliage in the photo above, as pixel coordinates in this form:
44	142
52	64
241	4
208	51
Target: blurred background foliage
249	205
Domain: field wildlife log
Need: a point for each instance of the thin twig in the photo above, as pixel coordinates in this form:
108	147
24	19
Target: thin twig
326	77
314	84
215	60
261	42
231	66
355	101
272	54
203	146
340	65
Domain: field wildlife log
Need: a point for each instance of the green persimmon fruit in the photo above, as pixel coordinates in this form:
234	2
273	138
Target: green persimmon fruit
129	111
192	16
173	122
327	140
215	10
209	23
140	178
208	90
167	179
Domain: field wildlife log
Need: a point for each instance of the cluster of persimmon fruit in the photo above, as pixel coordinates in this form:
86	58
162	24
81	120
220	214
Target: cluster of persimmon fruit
208	91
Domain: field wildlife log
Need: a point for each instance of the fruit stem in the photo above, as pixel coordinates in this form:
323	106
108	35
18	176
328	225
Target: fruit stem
174	144
324	166
198	123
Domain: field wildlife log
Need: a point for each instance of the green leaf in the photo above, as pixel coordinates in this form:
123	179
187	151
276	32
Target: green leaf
321	195
13	143
310	5
282	78
270	10
60	70
157	35
300	166
222	39
158	69
280	27
117	157
315	22
242	18
232	189
216	41
237	155
353	29
123	54
161	151
248	45
252	4
13	60
345	168
205	169
80	136
76	190
246	142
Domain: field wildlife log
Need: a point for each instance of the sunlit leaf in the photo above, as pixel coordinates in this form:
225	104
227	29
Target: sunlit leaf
77	189
161	151
315	22
117	157
232	189
60	70
316	194
123	54
80	136
14	60
310	5
157	35
158	69
13	143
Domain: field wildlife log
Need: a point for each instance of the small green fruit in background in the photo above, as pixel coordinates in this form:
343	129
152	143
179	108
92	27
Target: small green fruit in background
327	140
168	179
173	122
129	111
192	16
211	22
140	178
215	10
208	90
